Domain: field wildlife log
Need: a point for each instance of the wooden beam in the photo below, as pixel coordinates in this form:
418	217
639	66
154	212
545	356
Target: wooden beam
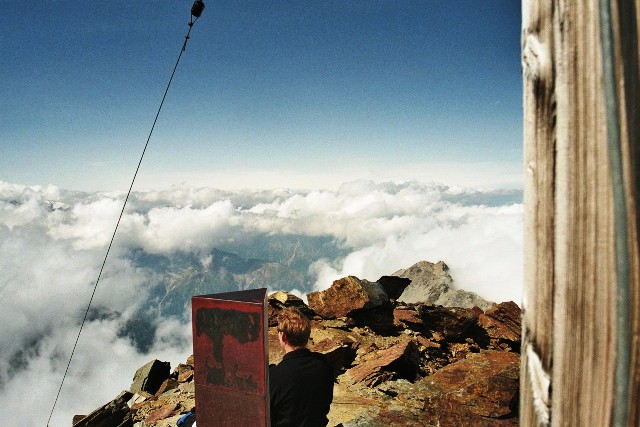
569	310
540	146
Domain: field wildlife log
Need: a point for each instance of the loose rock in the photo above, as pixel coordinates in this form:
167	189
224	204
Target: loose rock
346	296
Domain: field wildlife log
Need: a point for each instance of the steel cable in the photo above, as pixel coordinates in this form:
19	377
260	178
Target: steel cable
95	287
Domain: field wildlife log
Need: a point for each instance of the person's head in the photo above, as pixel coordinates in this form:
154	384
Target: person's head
294	328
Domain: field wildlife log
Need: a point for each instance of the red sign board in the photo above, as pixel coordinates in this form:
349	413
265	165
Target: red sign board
230	358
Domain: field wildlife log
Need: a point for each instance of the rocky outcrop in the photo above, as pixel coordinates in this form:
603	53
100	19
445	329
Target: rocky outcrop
150	377
174	397
279	300
432	284
482	386
346	296
481	390
402	364
114	414
395	363
502	324
401	360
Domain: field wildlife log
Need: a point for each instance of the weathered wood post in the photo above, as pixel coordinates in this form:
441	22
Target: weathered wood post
581	307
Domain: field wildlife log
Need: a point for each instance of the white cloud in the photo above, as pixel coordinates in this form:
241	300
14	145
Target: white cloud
166	229
103	365
483	249
52	244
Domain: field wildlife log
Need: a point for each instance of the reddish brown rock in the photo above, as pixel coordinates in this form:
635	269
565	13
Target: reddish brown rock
433	355
183	373
185	376
165	411
275	351
482	386
280	300
340	354
115	413
448	323
502	322
459	351
408	318
139	400
168	384
346	296
398	361
427	343
378	320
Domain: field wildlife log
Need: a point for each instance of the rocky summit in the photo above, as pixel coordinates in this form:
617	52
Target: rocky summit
396	363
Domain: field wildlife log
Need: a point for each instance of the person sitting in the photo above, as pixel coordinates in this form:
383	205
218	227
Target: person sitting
301	385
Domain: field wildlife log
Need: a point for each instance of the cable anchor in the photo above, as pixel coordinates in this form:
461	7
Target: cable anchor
197	8
196	11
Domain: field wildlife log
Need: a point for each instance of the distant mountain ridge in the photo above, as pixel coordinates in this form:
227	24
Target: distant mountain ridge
175	278
431	283
183	275
242	263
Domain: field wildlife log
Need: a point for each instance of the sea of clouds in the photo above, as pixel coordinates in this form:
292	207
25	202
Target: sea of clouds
53	243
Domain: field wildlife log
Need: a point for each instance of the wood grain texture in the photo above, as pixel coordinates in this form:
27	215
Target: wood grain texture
584	299
540	145
569	307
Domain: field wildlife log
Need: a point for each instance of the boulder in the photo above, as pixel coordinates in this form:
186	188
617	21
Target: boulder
502	322
183	373
408	318
340	354
167	385
275	351
280	300
479	390
378	319
189	387
138	399
114	414
398	361
149	377
448	323
163	412
346	296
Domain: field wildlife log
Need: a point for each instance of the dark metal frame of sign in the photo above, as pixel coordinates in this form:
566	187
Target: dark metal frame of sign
230	351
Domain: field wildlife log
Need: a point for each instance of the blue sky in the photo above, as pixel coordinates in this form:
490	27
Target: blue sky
301	94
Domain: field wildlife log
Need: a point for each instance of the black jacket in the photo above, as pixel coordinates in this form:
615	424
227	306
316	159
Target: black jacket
300	390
